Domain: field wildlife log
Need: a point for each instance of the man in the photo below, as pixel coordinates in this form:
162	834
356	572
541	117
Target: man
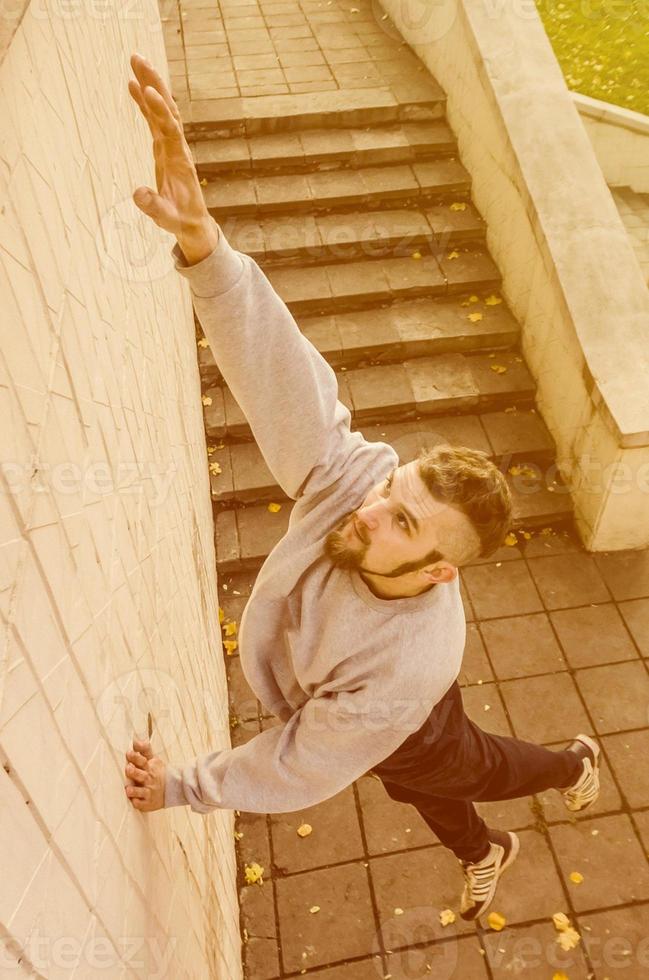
354	632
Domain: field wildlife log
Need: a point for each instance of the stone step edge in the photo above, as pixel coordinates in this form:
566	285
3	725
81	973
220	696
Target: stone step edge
499	340
247	233
561	514
246	116
311	160
230	500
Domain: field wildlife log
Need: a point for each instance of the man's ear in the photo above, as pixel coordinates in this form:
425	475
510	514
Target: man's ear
440	572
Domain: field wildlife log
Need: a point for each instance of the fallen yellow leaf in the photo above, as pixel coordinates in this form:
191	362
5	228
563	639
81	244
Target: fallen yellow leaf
474	317
304	829
498	368
203	342
560	976
273	508
447	917
496	921
561	921
230	646
221	615
230	628
453	255
526	535
314	909
511	540
203	181
458	206
576	878
254	873
416	255
215	469
238	835
206	400
398	911
474	299
493	300
568	938
546	532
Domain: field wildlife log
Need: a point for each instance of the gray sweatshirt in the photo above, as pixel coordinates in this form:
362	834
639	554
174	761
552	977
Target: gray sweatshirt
349	675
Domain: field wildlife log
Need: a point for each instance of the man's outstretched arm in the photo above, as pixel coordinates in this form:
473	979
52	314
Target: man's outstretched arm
284	387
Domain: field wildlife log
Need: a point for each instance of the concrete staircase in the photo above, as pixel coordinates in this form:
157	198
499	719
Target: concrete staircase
361	217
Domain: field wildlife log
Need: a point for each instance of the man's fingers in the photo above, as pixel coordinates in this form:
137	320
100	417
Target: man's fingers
166	119
144	747
138	792
157	207
138	98
138	775
137	759
146	74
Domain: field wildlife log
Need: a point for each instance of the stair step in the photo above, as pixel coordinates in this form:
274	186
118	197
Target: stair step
245	537
373	187
438	385
409	329
520	437
218	118
346	286
312	149
304	238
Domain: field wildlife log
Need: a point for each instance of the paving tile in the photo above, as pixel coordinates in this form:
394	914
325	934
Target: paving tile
384	393
335	837
593	635
251	475
221	484
226	537
568	580
301	286
344	926
608	801
558	542
628	754
235	420
505	591
451	226
515	814
522	645
336	187
472	269
484	706
475	663
388	181
457	959
531	951
442	176
407	276
617	697
511	432
402	227
635	613
519	896
389	824
258	918
214	413
254	845
441	382
357	280
368	333
385	146
421	883
641	820
544	708
241	698
278	191
323	333
288	236
616	941
365	969
626	573
331	143
612	862
516	378
257	533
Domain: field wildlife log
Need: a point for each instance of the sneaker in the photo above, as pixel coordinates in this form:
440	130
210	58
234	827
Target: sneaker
481	877
583	793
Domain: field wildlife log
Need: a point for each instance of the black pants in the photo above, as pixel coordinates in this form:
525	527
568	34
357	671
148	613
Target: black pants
450	763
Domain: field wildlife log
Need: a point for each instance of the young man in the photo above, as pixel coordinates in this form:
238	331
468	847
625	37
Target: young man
354	632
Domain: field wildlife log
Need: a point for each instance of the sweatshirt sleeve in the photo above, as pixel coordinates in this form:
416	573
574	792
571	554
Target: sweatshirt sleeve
283	385
324	746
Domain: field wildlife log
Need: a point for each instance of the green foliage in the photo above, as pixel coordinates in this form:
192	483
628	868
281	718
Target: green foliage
602	47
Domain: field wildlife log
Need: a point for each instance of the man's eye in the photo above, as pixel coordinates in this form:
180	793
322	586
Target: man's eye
403	518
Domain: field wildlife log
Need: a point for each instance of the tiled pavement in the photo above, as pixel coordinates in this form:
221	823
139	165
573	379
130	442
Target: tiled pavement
558	642
557	639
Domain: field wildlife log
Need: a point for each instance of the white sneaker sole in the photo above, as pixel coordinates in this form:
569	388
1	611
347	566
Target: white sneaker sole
595	749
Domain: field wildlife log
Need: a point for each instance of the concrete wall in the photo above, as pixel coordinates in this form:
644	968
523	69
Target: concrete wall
569	272
107	572
620	139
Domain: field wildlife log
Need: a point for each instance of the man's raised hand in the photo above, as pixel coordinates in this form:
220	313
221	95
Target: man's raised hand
177	205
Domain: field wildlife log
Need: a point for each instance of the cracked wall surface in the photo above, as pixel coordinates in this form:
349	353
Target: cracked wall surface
107	588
